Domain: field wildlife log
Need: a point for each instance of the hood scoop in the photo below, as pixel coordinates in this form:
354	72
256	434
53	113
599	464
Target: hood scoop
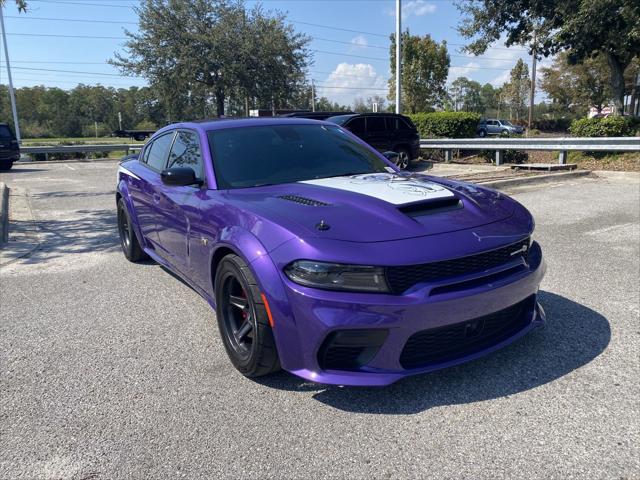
310	202
429	208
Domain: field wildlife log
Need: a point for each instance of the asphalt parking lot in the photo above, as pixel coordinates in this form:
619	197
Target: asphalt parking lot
111	370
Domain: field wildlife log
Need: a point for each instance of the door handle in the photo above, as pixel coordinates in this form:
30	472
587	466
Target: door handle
156	198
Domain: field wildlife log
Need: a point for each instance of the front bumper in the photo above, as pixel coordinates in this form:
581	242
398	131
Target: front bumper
320	314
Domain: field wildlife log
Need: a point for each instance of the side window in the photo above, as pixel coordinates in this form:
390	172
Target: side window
157	156
403	124
356	125
375	124
186	153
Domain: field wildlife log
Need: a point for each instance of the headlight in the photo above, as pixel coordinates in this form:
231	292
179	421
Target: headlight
335	276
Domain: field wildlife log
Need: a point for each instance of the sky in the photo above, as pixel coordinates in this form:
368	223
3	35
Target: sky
65	42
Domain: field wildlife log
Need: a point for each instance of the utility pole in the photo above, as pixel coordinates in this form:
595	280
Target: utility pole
532	93
398	54
12	95
313	97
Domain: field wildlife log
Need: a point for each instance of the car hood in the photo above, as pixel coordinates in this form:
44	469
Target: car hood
374	207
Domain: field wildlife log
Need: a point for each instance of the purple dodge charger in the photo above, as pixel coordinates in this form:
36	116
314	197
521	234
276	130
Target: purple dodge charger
321	258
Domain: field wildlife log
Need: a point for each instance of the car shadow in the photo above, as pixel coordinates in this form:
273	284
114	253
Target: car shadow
573	337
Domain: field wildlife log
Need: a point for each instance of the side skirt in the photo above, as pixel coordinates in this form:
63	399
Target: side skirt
161	261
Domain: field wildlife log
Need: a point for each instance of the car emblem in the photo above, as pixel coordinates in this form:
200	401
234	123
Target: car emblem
522	249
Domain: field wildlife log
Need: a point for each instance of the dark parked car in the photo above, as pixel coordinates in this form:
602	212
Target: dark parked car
384	132
9	148
315	115
492	126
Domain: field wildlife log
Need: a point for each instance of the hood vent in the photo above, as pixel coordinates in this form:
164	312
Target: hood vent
304	200
432	207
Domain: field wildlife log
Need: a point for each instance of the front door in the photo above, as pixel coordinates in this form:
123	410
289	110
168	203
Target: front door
179	206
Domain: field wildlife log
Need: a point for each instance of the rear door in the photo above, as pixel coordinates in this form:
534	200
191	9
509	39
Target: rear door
8	144
179	206
144	191
376	133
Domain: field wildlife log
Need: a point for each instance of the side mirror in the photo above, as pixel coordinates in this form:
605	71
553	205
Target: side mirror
391	156
179	177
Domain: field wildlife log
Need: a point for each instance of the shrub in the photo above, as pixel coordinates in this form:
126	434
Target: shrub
510	156
552	124
446	124
605	127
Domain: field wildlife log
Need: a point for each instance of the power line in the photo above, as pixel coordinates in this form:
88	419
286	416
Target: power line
76	71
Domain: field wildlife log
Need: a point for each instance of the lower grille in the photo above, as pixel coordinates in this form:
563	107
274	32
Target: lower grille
441	344
350	349
402	277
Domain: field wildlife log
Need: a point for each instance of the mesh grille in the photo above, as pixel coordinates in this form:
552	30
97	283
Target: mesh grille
400	278
448	343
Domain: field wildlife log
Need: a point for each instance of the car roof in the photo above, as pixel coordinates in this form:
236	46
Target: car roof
222	123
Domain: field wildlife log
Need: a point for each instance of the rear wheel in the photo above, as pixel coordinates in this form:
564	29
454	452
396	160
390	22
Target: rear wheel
243	320
482	133
6	165
404	158
128	238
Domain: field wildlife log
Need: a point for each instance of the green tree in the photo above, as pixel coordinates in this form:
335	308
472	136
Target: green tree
584	28
200	49
425	66
576	88
465	95
517	90
323	104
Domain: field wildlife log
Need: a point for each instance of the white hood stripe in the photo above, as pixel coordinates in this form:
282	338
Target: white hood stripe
392	188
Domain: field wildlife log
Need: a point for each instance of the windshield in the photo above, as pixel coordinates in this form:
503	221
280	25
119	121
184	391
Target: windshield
506	122
274	154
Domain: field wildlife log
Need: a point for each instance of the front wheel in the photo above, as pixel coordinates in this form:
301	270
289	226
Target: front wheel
6	165
243	320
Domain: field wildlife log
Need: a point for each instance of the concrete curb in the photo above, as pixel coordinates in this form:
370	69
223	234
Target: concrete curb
535	179
4	213
73	160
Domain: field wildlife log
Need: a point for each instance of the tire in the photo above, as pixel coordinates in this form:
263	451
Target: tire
482	133
6	165
404	158
139	137
243	320
128	238
505	133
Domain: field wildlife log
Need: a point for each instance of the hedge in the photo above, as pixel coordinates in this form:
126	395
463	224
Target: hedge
552	124
605	127
446	124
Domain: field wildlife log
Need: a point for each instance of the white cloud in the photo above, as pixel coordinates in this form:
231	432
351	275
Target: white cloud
359	42
462	71
417	8
348	81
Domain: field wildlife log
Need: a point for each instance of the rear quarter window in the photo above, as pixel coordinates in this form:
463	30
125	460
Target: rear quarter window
5	133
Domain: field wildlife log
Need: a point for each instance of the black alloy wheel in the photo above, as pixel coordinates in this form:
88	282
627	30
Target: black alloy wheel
243	320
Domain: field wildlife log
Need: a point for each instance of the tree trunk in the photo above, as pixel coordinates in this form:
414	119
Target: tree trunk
617	82
220	102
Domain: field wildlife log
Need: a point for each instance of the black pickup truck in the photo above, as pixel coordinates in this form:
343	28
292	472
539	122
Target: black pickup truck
9	148
138	135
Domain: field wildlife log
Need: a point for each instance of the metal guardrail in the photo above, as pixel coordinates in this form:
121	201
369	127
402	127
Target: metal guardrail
114	147
561	144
